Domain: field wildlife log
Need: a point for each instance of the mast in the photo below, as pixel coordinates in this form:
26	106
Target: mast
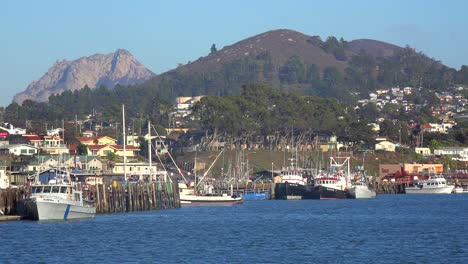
124	142
149	150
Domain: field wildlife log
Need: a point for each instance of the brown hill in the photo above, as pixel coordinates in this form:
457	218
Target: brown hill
213	74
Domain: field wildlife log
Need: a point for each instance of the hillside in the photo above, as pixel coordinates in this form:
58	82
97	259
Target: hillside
297	62
119	67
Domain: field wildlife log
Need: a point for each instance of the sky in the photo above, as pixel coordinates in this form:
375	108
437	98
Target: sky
162	34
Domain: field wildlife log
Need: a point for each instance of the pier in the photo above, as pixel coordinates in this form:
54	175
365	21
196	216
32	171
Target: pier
120	197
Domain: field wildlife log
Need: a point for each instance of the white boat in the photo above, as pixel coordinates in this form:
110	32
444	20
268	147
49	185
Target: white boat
189	196
203	193
435	184
359	188
59	199
460	189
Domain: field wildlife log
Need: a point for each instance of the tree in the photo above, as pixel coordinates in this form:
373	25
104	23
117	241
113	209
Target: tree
213	49
82	149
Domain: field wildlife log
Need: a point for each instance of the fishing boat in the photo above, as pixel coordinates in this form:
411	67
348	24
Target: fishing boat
256	195
435	184
291	184
206	197
359	188
334	184
55	197
203	193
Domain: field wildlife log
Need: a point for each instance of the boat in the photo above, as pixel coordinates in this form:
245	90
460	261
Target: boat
334	184
207	197
460	189
255	195
58	199
291	184
435	184
203	193
360	189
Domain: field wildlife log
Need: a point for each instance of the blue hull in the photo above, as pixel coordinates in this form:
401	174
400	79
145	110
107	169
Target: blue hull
256	196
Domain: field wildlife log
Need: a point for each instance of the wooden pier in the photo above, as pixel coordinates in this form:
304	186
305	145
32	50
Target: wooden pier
388	187
120	197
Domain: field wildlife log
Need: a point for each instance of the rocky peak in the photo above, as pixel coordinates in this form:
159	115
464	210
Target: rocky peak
119	67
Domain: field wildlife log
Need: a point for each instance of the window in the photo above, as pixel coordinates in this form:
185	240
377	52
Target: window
47	189
55	189
63	189
24	151
31	151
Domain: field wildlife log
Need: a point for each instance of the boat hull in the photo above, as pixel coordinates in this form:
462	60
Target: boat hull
361	193
460	189
46	210
202	200
436	190
256	196
327	193
287	191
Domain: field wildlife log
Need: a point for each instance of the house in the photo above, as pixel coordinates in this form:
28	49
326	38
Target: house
130	151
385	146
53	145
99	150
133	140
102	140
457	153
34	140
21	149
140	168
88	133
423	151
13	131
91	164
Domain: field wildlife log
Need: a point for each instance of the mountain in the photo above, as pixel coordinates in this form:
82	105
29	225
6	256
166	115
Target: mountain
294	61
119	67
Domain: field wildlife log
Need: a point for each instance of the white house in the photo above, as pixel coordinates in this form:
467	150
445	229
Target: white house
457	153
14	130
22	149
385	146
423	151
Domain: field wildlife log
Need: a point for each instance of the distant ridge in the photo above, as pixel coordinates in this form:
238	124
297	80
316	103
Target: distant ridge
119	67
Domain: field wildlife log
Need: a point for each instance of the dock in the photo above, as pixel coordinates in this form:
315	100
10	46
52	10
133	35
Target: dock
119	197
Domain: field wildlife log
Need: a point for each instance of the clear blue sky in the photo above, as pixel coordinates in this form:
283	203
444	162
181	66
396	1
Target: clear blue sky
34	34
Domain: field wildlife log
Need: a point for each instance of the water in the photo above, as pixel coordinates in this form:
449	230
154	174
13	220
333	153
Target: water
389	229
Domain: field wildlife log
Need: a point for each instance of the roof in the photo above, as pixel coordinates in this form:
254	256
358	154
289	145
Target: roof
32	137
84	139
120	147
97	147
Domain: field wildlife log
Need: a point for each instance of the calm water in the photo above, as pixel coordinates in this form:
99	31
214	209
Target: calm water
389	229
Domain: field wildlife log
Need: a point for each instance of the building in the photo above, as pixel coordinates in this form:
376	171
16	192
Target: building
423	151
385	146
410	168
20	150
458	153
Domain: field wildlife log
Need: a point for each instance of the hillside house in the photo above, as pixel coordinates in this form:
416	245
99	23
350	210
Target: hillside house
423	151
20	150
385	146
